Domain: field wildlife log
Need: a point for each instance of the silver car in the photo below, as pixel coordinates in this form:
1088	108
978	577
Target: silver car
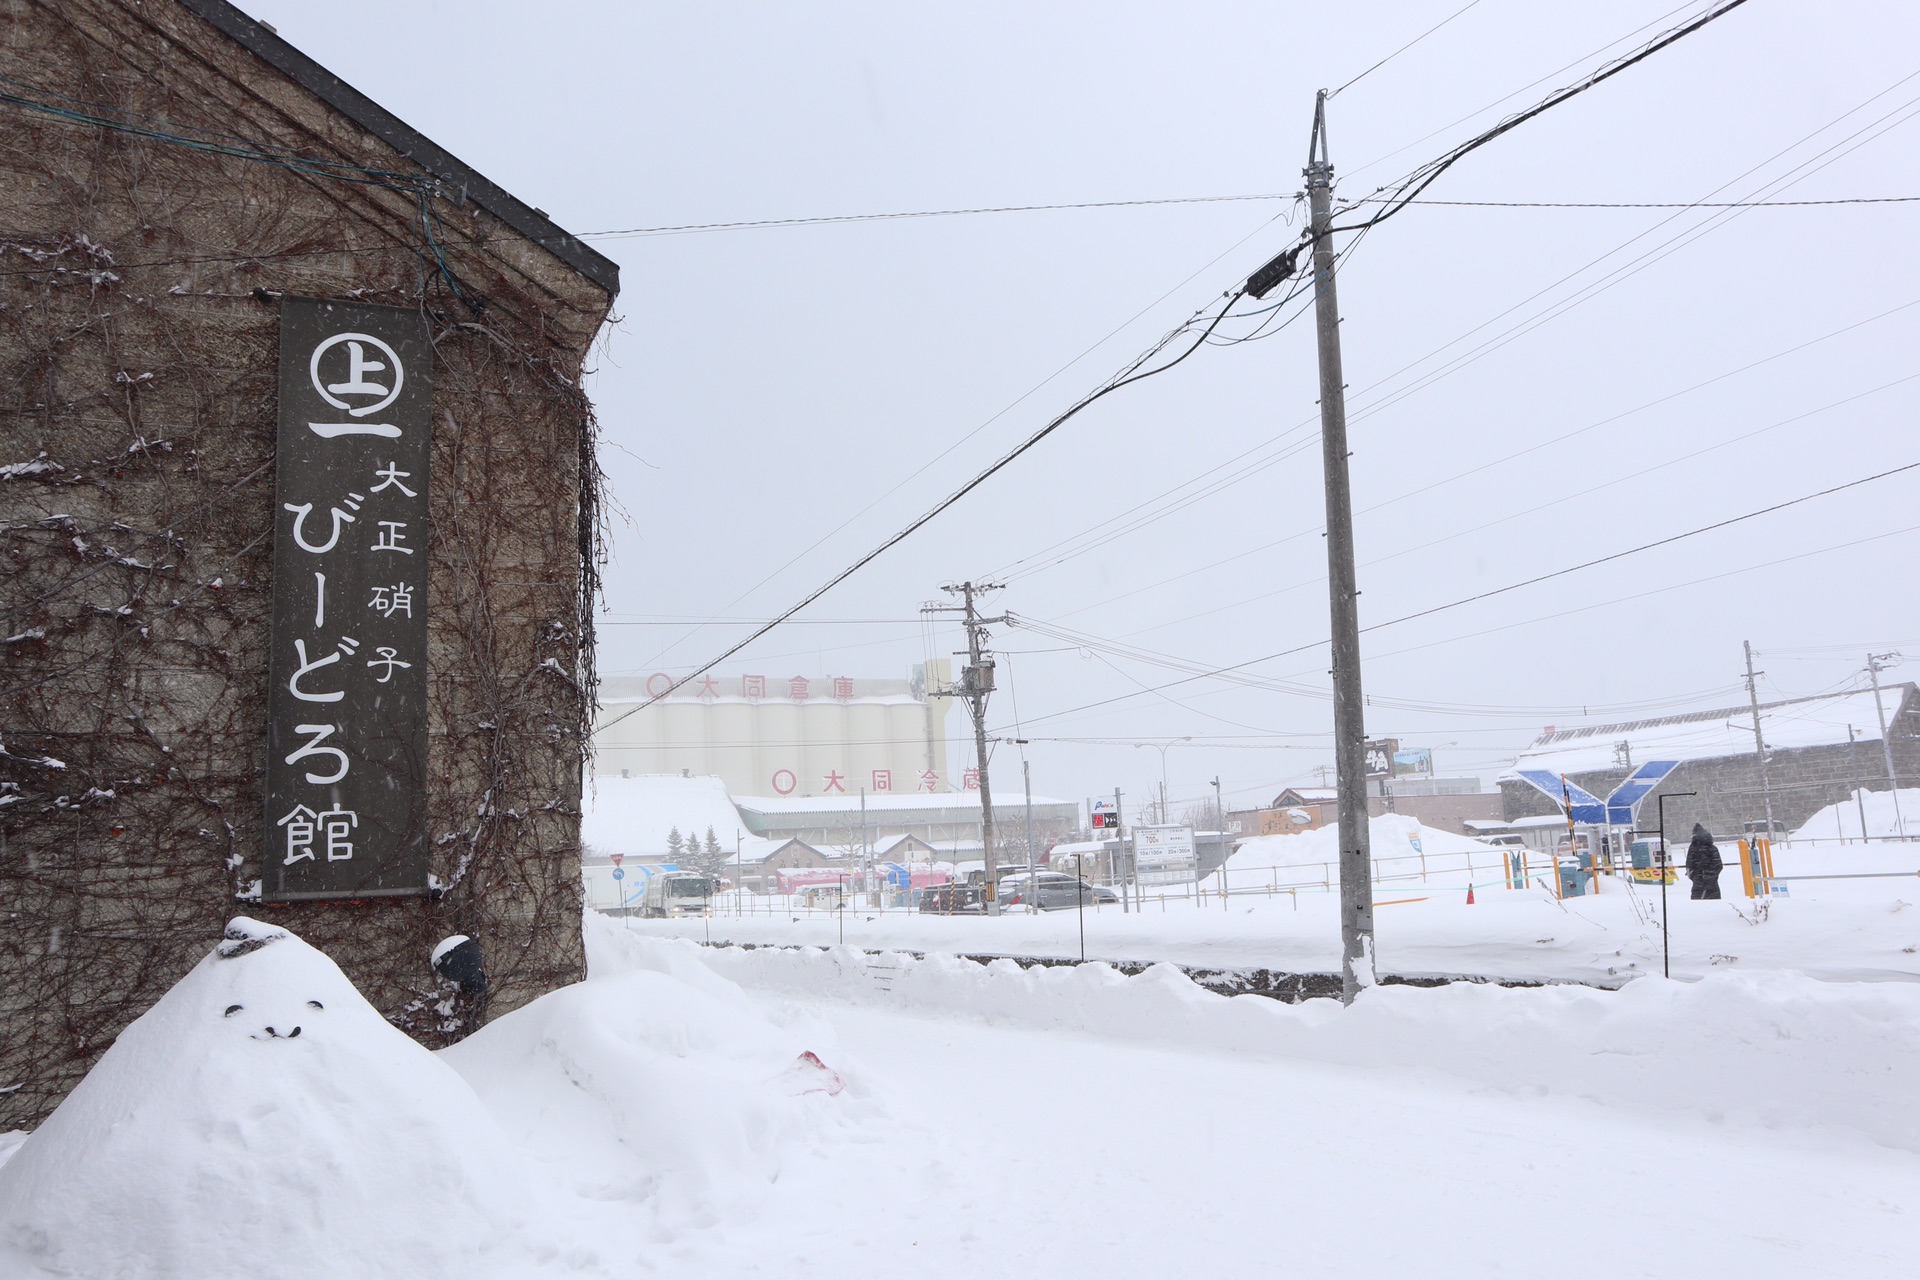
1054	891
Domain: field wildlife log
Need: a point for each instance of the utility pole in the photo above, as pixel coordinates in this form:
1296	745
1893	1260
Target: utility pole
1875	662
1220	820
1356	862
1759	742
1033	876
976	682
1859	799
1119	851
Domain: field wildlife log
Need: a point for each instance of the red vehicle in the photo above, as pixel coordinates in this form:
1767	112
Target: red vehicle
794	879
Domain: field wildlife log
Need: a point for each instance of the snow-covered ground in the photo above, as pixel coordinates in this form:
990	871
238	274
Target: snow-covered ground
826	1112
1841	929
1889	816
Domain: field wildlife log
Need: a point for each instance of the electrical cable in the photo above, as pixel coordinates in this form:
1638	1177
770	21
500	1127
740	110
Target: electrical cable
755	224
1402	49
1559	500
1430	172
1484	595
956	444
1132	374
1553	311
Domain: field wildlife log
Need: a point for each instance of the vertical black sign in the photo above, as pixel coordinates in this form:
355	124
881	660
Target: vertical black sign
347	709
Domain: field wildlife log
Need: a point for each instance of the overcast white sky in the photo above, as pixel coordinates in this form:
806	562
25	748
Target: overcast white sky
777	401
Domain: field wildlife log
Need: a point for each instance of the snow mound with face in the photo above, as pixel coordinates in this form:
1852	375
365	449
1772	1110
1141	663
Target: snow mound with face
264	1119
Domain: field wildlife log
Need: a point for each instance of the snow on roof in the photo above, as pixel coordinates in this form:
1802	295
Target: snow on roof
634	815
1543	820
1708	735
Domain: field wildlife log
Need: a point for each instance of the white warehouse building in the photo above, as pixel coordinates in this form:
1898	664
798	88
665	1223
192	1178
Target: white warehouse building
782	735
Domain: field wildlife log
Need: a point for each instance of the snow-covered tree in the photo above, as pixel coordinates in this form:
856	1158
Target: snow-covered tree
676	844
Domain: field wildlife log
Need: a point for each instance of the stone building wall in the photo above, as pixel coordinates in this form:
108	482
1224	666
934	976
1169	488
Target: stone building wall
1803	780
139	287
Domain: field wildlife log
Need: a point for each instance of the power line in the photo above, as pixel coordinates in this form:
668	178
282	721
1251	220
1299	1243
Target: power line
1003	411
1429	173
1554	311
1131	374
834	219
1402	49
1429	543
1649	204
1483	595
1648	546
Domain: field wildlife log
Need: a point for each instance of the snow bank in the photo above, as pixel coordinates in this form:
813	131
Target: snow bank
263	1119
657	1084
1774	1049
1842	821
1392	837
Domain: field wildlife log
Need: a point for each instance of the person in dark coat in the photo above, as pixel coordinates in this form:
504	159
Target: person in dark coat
1703	863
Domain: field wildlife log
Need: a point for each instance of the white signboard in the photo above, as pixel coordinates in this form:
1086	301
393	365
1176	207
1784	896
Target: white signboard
1165	854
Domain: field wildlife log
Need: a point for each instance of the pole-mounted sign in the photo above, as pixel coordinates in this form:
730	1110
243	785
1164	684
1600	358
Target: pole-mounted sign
347	707
1379	756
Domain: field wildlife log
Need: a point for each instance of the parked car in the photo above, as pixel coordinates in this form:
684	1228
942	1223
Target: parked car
953	900
1053	891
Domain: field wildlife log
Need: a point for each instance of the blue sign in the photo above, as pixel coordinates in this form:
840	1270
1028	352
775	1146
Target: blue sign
1626	797
1585	807
1618	809
618	874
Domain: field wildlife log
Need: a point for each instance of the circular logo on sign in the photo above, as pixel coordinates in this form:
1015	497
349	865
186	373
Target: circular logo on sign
361	372
658	683
784	782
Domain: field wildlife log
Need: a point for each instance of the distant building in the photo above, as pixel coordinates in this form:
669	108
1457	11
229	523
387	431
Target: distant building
946	823
1446	804
783	735
637	818
1819	750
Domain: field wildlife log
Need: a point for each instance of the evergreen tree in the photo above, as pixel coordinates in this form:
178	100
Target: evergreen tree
713	848
675	844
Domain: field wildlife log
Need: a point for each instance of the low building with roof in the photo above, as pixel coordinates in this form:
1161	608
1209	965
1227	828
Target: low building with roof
1819	750
948	822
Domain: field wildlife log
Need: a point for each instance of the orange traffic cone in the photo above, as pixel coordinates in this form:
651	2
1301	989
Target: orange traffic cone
1469	895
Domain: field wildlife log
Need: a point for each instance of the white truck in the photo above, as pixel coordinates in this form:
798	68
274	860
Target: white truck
678	893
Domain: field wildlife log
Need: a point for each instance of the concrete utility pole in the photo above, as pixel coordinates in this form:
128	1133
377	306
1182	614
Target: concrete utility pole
1033	876
1875	663
1356	860
976	682
1220	820
1759	742
1859	792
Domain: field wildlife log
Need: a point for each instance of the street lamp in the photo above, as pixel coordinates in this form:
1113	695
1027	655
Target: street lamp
1666	955
1162	748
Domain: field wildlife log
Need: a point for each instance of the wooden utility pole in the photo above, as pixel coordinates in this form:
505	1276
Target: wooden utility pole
1759	742
1876	662
976	682
1349	731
